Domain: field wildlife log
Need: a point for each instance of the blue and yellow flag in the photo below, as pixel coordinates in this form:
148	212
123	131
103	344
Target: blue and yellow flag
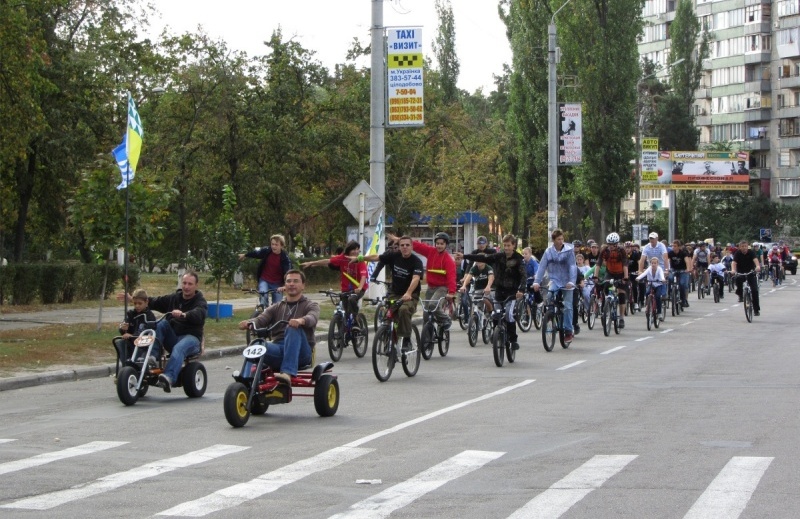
375	245
127	153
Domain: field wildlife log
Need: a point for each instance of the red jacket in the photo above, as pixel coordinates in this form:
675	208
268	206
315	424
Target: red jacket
441	268
356	271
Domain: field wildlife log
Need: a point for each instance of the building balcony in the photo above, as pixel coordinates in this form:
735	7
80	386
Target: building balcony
702	93
789	82
758	86
757	28
756	144
707	64
788	50
757	114
703	120
757	57
787	112
790	142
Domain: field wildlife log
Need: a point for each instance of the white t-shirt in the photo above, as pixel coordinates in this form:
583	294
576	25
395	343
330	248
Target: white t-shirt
656	278
648	251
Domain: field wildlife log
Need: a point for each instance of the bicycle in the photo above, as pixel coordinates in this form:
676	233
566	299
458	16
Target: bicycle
717	288
610	315
594	310
747	296
674	292
261	305
500	340
343	331
775	274
553	322
385	352
478	320
729	281
463	308
524	311
652	315
432	330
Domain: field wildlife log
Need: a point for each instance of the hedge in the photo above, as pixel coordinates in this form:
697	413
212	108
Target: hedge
47	283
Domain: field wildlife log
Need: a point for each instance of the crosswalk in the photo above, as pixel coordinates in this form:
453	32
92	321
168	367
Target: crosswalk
727	496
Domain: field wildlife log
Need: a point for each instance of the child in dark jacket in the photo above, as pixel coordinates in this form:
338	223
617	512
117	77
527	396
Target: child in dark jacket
138	319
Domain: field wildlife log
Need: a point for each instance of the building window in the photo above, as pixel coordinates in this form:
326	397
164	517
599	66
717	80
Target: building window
788	187
784	158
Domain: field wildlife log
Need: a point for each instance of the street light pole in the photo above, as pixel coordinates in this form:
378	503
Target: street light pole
552	126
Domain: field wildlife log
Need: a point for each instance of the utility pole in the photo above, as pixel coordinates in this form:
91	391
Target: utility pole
377	151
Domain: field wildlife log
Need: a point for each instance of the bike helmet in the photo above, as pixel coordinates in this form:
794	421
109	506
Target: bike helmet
577	243
653	235
612	238
442	236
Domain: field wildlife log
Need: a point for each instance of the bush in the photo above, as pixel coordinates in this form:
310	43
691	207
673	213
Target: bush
51	285
60	282
26	283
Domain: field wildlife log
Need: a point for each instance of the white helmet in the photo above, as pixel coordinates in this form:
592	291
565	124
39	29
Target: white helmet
653	235
612	238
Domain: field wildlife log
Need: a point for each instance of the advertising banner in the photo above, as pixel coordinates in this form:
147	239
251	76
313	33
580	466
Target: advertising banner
649	159
719	170
570	134
404	77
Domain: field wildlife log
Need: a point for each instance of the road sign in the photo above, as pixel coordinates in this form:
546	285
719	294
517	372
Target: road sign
765	235
372	203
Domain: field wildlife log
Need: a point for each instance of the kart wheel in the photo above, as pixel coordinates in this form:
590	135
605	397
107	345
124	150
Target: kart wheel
426	344
326	395
380	315
336	338
411	359
235	404
549	331
499	343
444	343
143	389
195	379
472	330
360	339
259	405
382	354
127	380
525	318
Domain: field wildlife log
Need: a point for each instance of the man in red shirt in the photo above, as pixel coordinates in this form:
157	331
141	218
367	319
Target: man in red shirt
441	272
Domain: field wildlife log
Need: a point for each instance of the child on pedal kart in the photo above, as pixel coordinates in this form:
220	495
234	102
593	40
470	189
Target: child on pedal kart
138	319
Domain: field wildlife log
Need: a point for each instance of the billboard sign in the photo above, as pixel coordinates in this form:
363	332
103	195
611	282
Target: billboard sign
713	170
404	77
649	159
570	134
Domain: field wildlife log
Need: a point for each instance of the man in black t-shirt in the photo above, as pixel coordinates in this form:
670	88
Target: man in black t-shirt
680	263
744	261
406	269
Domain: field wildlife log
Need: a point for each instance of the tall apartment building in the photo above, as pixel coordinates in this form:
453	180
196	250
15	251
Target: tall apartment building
750	89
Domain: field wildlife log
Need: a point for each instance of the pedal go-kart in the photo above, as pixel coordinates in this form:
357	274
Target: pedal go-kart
256	388
134	377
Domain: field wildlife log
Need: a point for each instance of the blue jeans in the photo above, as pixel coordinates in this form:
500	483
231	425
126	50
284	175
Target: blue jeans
567	295
289	353
178	346
683	283
263	286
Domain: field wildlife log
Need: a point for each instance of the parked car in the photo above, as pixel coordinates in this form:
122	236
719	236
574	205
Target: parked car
790	264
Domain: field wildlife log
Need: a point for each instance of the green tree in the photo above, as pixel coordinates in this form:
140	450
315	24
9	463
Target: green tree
227	238
444	48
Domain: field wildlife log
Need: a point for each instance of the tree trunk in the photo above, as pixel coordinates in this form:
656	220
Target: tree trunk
25	182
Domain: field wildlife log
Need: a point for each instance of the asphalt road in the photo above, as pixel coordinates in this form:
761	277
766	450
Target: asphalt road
698	419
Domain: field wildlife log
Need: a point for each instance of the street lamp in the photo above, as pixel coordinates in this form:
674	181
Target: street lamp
640	122
552	127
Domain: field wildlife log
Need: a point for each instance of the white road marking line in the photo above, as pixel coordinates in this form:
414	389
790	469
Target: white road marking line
114	481
7	440
576	485
640	339
727	496
668	330
399	427
570	365
405	493
709	315
687	323
723	310
271	481
699	318
612	350
49	457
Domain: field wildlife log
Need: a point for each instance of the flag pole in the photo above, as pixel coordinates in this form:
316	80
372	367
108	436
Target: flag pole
125	249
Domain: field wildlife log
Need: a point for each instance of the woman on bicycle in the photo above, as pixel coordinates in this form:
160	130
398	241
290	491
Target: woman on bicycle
655	277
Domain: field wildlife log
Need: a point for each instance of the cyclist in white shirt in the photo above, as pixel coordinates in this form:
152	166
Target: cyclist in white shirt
717	270
655	276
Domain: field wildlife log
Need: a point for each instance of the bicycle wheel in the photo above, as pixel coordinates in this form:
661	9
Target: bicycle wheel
444	342
538	313
383	356
499	343
748	306
664	301
380	315
606	318
525	316
701	291
582	311
649	311
463	315
486	331
615	318
511	353
360	338
411	359
472	330
549	330
593	312
336	338
426	342
716	292
561	333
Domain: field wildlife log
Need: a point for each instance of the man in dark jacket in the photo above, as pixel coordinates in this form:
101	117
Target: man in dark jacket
181	333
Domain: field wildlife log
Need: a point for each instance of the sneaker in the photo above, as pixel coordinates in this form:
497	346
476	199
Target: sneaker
685	304
576	329
164	383
406	344
635	308
621	323
514	345
756	313
661	318
568	337
284	377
